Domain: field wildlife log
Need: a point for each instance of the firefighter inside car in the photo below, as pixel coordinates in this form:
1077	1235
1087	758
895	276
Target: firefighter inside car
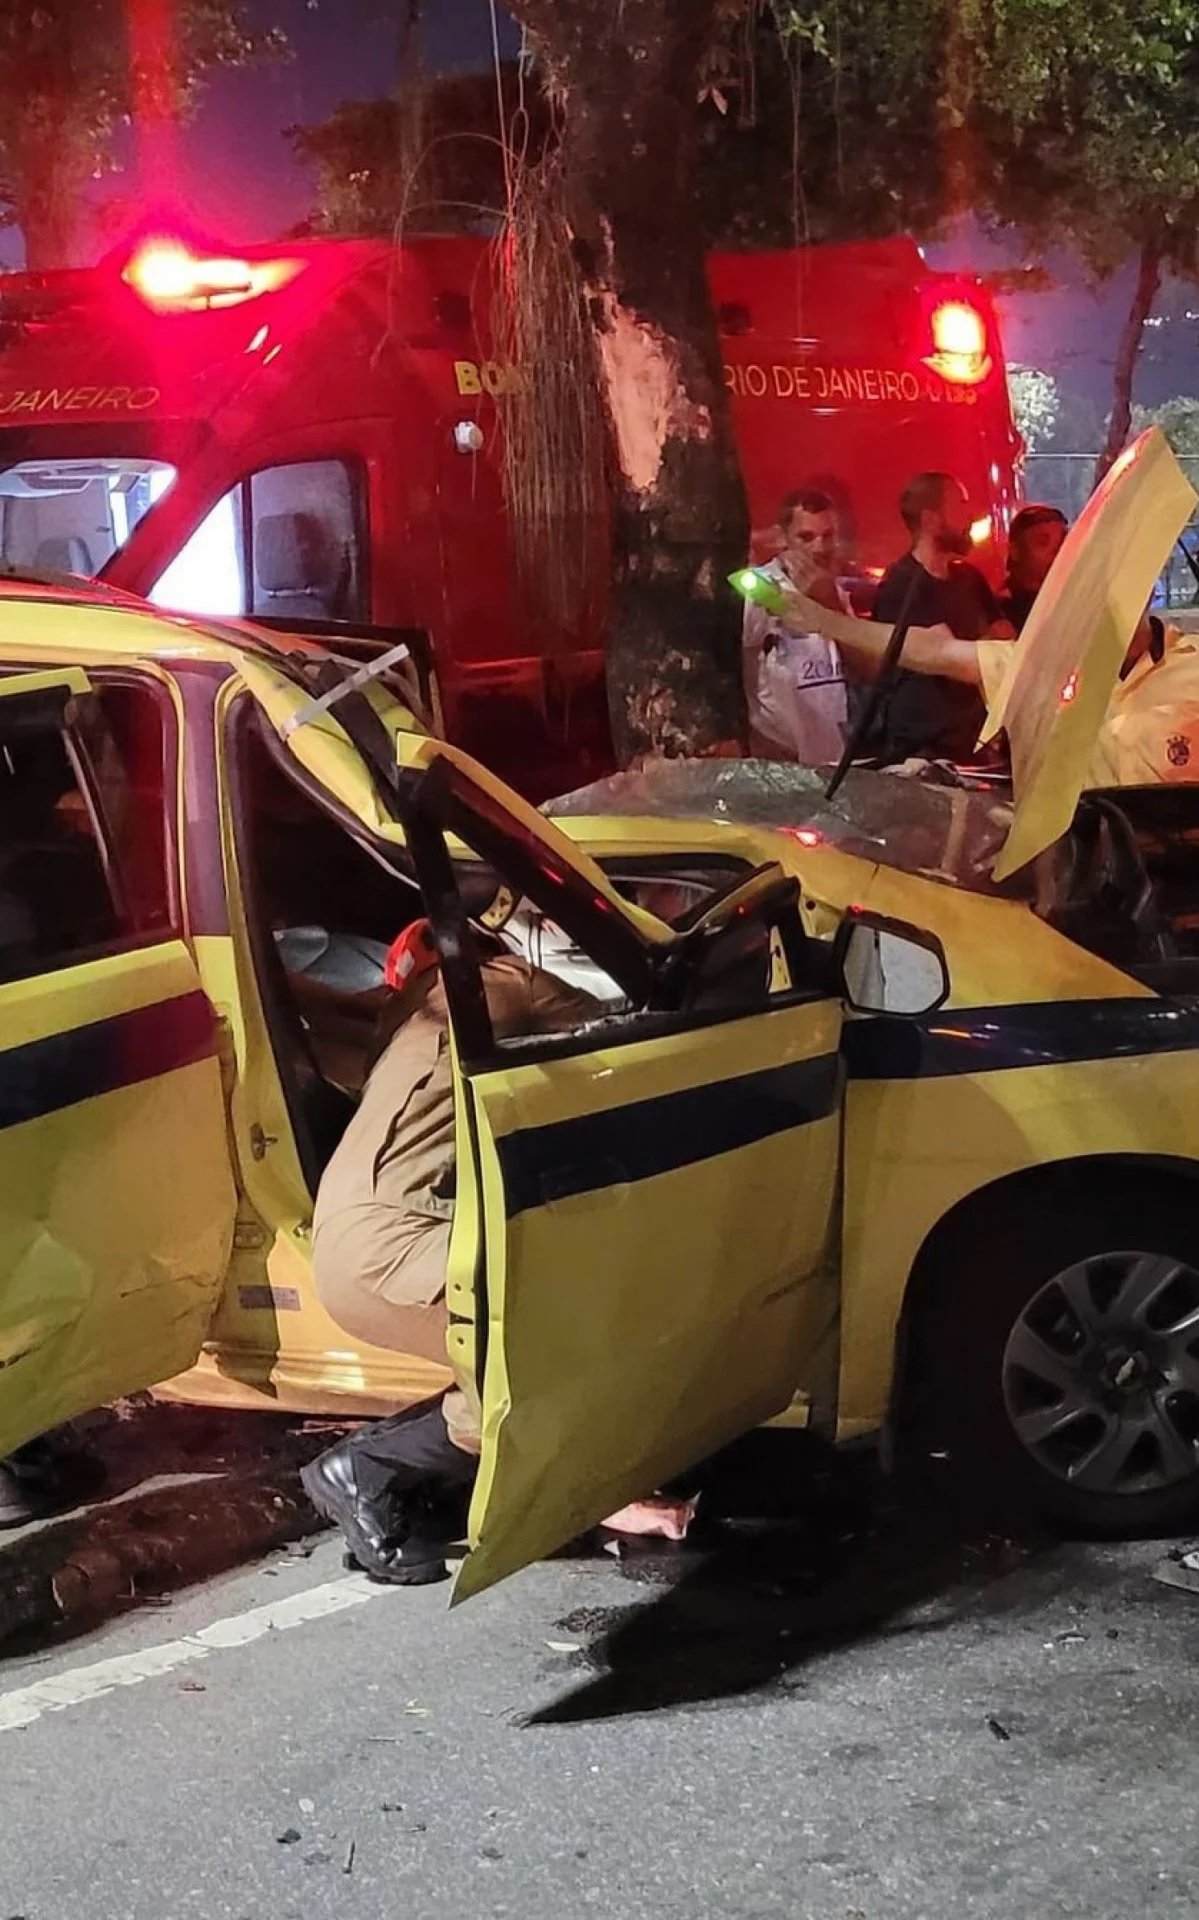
844	1050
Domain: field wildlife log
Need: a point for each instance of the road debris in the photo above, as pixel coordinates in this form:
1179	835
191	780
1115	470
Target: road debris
1180	1569
351	1851
998	1729
290	1837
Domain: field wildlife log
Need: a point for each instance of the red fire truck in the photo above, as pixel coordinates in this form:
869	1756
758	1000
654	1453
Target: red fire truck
308	434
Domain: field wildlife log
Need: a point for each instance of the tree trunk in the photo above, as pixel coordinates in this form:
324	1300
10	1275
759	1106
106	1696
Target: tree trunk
49	230
1149	279
627	75
48	179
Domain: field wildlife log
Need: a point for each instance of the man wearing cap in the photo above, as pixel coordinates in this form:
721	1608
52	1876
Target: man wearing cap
381	1247
380	1254
1035	540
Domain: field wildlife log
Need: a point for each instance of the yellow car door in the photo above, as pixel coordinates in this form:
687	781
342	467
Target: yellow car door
644	1197
116	1192
652	1189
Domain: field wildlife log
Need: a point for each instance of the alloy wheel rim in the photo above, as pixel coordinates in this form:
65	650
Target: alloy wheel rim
1101	1374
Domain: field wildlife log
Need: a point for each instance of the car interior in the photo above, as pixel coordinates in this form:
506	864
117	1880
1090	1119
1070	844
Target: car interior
67	892
1124	884
323	913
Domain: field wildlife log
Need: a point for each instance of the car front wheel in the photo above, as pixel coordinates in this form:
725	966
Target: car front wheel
1057	1357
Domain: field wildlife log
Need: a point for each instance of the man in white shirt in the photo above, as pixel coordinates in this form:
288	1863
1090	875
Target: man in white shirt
795	682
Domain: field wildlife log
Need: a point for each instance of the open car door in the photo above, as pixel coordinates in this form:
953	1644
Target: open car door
116	1190
653	1188
644	1198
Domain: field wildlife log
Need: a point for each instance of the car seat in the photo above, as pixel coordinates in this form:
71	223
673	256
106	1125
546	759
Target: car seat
297	566
64	556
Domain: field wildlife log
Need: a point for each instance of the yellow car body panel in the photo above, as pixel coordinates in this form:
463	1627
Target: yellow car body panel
600	1349
116	1200
1069	656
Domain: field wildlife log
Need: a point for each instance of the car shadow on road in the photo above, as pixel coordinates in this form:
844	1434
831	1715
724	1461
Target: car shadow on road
802	1552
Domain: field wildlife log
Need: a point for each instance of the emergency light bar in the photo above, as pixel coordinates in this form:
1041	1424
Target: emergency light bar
171	279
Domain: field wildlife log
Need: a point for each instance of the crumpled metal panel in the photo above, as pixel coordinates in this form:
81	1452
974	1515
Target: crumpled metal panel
116	1220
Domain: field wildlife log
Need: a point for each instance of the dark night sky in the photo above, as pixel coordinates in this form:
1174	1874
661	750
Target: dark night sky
237	175
238	178
241	174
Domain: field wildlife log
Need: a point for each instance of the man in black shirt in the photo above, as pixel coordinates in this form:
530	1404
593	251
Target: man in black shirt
932	718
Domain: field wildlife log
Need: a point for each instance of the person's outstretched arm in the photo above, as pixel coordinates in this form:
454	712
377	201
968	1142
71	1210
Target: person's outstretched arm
933	650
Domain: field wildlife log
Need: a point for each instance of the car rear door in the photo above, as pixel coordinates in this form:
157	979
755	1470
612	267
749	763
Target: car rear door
644	1198
116	1191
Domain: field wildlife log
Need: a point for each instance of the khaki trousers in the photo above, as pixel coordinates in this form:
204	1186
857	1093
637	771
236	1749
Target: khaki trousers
380	1272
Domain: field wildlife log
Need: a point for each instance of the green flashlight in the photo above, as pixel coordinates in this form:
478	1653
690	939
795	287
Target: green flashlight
756	586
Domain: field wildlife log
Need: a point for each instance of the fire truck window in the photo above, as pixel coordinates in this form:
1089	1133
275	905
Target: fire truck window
72	515
208	575
82	837
307	563
284	544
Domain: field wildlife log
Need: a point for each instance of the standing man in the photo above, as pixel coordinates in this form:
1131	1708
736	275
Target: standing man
795	683
933	585
1035	540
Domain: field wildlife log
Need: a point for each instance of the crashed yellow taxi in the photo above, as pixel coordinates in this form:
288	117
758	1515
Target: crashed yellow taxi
859	1127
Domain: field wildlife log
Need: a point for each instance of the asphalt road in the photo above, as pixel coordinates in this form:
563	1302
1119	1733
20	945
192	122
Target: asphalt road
833	1718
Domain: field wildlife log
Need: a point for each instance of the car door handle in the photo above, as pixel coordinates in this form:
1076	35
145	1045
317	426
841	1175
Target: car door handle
600	1180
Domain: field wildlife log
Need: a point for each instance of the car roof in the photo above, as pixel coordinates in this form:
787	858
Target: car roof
39	617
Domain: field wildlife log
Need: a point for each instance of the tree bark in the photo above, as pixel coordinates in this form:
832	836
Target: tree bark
46	187
627	75
1145	291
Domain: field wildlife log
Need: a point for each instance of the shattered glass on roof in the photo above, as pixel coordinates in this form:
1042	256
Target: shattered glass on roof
915	823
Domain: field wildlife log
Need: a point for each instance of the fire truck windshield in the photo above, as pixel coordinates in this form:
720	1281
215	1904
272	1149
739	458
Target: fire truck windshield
72	515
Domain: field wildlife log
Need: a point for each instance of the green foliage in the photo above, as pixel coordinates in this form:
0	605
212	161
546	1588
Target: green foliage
1178	420
1036	401
430	160
73	73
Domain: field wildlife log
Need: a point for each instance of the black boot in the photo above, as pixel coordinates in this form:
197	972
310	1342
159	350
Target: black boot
386	1486
32	1484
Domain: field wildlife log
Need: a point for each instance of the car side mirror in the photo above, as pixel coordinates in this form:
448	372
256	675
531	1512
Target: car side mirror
888	966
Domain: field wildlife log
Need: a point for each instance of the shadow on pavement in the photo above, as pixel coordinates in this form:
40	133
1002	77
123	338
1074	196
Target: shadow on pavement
803	1551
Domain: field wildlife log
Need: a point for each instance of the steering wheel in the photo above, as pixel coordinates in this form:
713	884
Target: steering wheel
1105	899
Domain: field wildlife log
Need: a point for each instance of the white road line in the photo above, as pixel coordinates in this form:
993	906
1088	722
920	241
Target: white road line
23	1705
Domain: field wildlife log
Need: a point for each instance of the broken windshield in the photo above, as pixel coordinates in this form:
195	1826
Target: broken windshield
918	825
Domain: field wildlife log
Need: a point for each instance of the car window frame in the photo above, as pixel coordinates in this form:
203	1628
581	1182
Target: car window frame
429	806
240	491
89	788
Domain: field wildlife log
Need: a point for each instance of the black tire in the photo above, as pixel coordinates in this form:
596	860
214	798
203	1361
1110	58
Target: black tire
1053	1279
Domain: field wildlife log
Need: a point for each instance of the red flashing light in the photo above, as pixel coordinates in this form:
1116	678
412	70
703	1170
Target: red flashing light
959	335
807	836
958	328
168	277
